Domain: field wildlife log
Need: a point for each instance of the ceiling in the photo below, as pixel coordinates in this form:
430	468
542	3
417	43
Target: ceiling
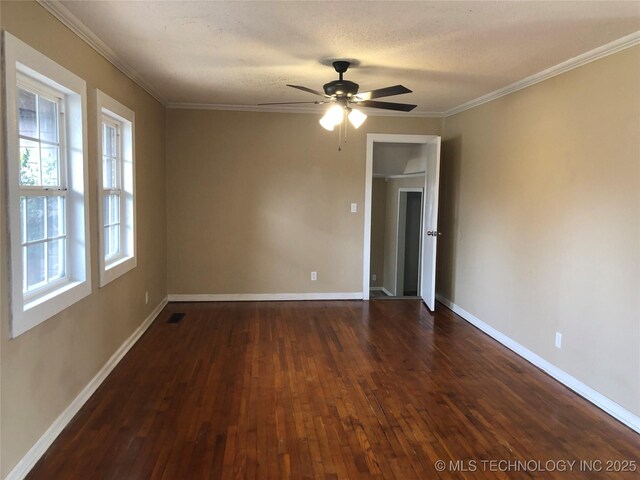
244	53
390	159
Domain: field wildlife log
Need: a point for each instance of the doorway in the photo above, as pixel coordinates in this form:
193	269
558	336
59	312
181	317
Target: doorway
409	241
409	165
396	224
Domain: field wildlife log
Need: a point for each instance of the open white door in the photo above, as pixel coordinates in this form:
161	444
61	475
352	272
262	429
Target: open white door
430	225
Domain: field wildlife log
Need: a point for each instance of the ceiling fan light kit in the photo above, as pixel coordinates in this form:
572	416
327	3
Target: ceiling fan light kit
343	96
327	123
335	115
356	117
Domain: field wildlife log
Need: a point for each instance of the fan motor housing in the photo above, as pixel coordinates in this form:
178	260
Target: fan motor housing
341	88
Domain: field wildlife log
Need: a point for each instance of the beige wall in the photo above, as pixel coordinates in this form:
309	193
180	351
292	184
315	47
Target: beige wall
45	368
256	201
378	220
540	210
391	230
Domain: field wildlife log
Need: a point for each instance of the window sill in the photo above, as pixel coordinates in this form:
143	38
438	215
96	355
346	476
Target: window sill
36	311
65	287
116	269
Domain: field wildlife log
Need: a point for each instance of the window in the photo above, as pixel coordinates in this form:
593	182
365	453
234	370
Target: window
47	181
116	187
42	188
112	189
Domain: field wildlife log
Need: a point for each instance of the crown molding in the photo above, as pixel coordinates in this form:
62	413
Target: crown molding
575	62
281	109
616	46
68	19
59	11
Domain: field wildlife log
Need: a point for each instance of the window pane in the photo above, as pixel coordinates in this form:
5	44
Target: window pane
50	166
107	242
35	218
114	208
23	219
105	211
48	117
108	167
109	162
111	209
55	216
35	266
109	140
114	238
55	258
27	119
111	241
114	173
29	162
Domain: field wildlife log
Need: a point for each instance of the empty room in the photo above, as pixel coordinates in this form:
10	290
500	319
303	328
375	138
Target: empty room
319	239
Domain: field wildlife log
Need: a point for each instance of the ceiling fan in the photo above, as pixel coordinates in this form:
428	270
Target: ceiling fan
344	97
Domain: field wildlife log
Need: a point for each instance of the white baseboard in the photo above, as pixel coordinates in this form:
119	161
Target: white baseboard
383	290
604	403
259	297
27	462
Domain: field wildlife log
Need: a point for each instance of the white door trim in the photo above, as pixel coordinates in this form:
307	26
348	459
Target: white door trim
371	139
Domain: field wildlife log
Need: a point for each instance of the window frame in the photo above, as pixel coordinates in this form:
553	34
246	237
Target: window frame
29	84
124	118
25	65
116	189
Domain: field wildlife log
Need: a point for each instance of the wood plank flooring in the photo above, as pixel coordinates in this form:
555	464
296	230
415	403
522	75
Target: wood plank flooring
380	389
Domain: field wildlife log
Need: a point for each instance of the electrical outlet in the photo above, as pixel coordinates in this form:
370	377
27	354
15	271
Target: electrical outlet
146	298
354	208
374	277
314	276
558	340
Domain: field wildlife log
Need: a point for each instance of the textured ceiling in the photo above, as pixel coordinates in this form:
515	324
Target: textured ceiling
448	53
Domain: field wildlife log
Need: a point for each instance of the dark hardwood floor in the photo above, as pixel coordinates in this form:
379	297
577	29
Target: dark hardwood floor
346	389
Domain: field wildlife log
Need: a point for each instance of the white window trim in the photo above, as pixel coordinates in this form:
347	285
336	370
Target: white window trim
105	105
21	58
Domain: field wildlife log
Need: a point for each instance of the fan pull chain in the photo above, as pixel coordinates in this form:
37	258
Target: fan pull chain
344	120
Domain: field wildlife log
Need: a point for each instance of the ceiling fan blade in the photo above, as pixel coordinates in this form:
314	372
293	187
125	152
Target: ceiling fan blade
309	90
290	103
401	107
383	92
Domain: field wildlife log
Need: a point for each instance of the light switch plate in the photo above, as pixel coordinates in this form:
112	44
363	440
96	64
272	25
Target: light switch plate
354	208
